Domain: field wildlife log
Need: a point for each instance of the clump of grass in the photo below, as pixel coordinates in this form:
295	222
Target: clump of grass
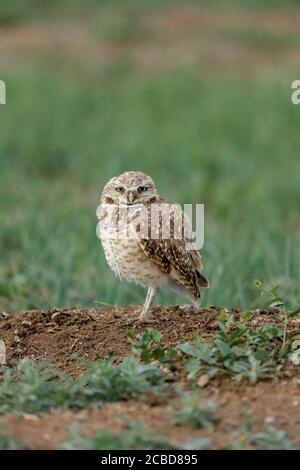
33	389
135	437
148	347
196	413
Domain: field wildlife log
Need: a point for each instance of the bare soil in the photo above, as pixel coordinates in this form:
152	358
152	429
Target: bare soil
61	335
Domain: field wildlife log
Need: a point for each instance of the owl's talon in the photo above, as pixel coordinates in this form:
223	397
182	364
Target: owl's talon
191	309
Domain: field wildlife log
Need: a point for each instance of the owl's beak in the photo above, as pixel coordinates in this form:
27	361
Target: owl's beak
130	197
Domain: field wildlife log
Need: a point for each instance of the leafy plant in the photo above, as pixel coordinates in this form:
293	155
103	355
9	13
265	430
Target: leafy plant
273	299
237	350
273	439
252	369
11	443
8	442
136	437
276	301
149	348
33	389
193	412
270	438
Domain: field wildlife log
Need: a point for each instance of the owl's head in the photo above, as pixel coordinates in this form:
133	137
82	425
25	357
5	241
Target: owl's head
131	187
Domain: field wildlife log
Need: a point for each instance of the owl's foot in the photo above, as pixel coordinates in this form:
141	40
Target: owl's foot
192	309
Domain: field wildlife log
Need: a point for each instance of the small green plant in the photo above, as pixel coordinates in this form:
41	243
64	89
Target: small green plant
196	413
236	350
273	439
11	443
252	369
270	438
276	301
33	389
8	442
135	437
149	348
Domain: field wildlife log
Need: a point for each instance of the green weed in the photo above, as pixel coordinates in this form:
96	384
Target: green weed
236	350
148	347
270	438
134	438
273	439
34	389
7	442
193	412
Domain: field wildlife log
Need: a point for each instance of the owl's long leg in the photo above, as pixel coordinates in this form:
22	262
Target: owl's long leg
152	291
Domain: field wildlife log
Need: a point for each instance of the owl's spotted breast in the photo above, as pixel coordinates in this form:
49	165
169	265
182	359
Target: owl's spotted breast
128	261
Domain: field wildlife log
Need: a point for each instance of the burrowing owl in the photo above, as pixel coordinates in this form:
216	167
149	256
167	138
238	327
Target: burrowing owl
134	245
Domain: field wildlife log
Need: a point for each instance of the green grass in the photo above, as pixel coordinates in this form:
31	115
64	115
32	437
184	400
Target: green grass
227	140
229	143
17	11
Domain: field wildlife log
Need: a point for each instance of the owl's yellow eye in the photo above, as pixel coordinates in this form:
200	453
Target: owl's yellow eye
120	189
142	189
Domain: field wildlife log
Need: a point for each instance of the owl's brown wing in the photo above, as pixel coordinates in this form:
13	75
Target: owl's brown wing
171	254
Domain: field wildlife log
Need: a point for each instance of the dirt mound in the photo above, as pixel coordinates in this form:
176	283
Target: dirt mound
59	336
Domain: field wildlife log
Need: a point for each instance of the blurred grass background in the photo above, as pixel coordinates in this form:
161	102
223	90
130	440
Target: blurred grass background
194	93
